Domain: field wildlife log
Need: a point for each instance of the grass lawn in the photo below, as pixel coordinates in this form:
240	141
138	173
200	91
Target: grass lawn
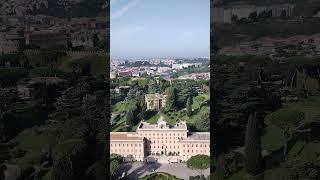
271	140
32	143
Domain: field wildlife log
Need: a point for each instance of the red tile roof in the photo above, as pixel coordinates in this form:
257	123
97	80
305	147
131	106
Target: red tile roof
124	136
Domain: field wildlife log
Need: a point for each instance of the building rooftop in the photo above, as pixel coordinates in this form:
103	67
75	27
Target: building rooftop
204	136
125	136
155	96
162	125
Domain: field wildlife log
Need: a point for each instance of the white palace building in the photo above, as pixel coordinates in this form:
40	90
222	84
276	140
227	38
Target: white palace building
158	140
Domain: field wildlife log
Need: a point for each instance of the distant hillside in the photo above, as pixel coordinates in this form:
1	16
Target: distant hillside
73	8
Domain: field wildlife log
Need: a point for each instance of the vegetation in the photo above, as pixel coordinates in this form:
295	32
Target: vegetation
196	91
199	162
57	132
253	158
159	176
247	84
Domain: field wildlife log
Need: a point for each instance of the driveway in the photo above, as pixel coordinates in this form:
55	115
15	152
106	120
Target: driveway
139	169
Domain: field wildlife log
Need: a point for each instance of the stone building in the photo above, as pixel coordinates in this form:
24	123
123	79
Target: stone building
155	101
10	42
160	140
127	144
46	39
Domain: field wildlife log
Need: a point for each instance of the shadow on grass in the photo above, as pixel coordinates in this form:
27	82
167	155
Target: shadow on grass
149	114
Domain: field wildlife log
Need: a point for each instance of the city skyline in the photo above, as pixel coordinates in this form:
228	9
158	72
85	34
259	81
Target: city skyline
138	28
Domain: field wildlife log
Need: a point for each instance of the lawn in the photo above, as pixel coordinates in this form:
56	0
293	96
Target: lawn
271	140
32	143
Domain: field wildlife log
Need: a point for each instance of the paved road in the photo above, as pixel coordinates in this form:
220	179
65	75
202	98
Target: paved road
140	169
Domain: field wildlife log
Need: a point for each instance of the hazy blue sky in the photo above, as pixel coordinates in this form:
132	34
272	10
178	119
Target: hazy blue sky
160	28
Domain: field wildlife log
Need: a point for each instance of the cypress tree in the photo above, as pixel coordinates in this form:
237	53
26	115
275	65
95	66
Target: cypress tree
252	156
189	107
129	118
220	169
171	100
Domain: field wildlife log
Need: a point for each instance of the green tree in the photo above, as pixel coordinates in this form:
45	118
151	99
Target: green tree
253	158
291	122
95	40
129	118
220	168
114	166
203	120
189	107
172	99
199	162
62	169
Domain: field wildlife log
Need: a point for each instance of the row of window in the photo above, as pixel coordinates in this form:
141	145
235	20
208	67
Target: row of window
123	145
196	151
163	142
196	145
163	134
126	150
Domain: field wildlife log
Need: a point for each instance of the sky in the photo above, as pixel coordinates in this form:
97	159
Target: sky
160	28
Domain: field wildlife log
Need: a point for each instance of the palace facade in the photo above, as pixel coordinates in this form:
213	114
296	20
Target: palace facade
158	140
155	101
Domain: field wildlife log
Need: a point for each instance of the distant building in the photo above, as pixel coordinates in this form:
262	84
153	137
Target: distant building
185	65
160	139
225	14
155	101
46	39
122	89
27	88
10	42
113	75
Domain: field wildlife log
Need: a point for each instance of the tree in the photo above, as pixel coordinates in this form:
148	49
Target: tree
129	118
252	155
114	166
172	99
283	14
115	161
253	16
95	40
220	169
62	169
203	121
234	18
189	107
291	122
199	162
